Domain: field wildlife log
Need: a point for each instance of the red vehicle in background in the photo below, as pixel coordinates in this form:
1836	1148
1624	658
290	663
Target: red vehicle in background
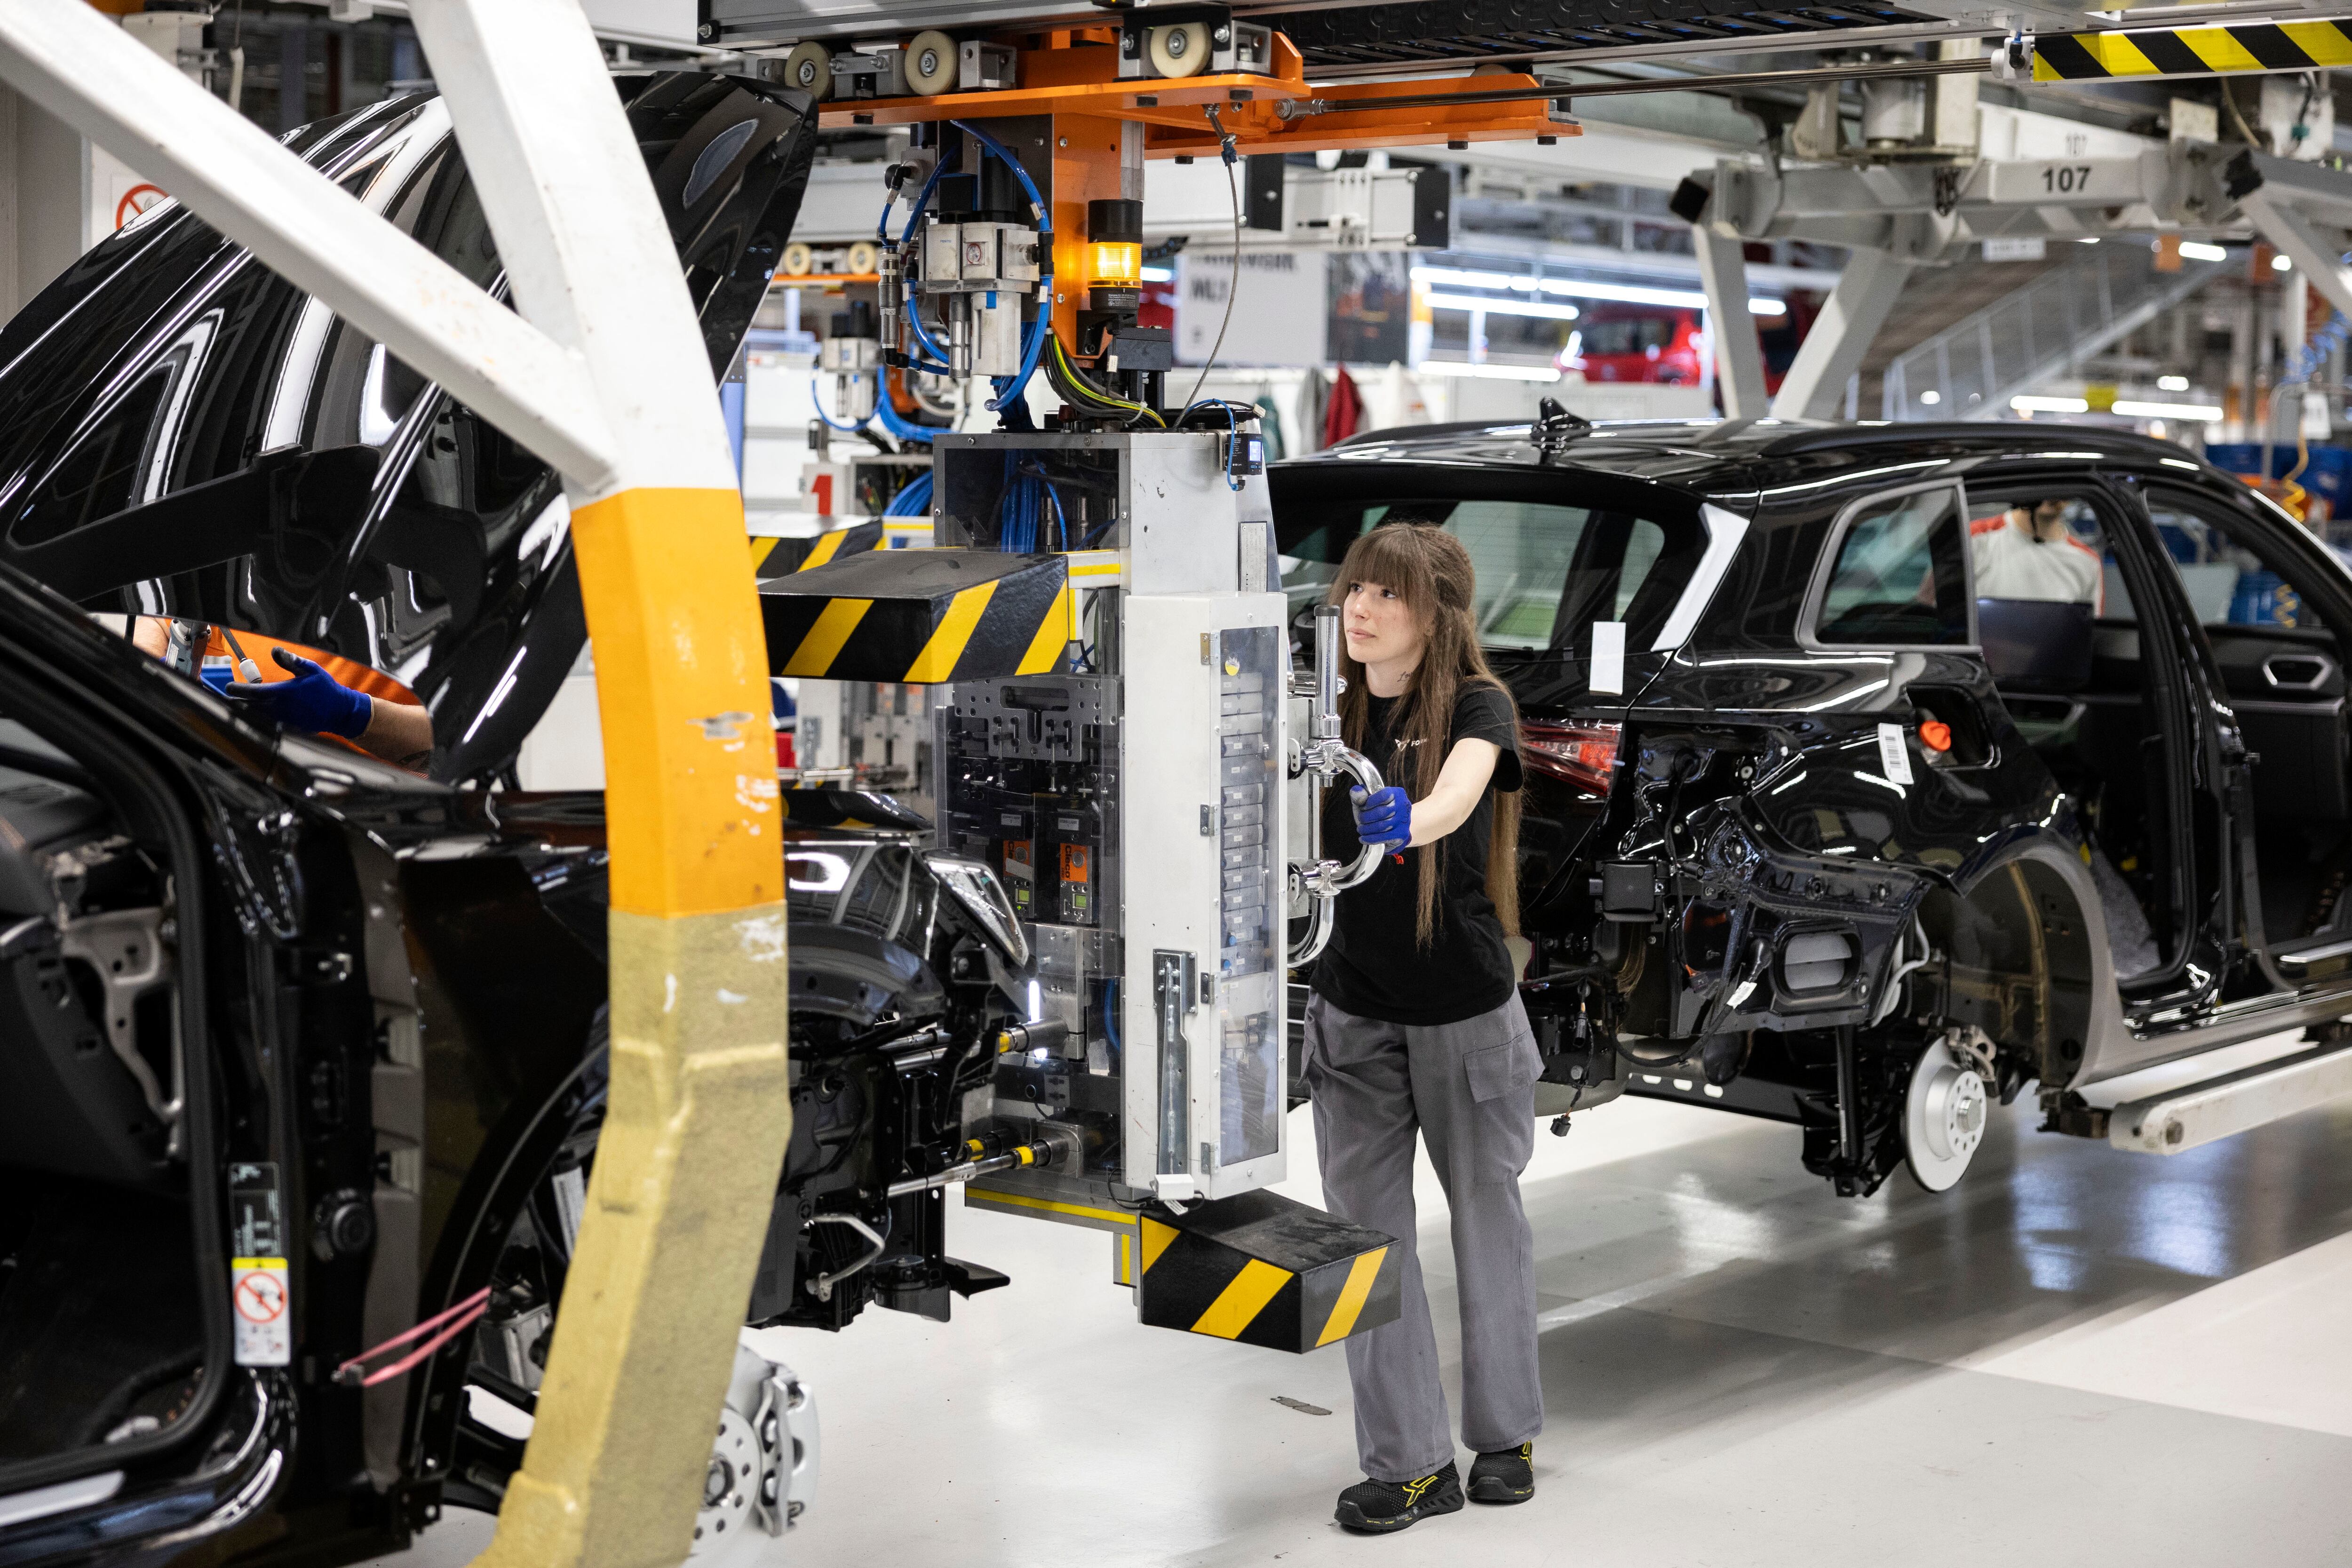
1634	343
1661	343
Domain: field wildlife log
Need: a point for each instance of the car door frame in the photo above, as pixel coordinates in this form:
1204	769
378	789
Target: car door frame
2320	577
2180	700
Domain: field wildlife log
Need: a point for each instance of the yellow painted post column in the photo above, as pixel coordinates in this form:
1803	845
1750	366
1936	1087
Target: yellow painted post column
699	1107
698	1114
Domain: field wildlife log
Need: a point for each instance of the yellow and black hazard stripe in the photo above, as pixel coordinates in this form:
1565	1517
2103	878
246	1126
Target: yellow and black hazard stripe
920	617
2193	51
779	557
1306	1281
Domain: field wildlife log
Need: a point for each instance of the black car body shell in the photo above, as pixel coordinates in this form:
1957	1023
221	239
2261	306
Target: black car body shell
1983	845
393	986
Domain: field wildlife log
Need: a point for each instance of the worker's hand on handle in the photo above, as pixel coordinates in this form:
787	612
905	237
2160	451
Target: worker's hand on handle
1383	817
312	700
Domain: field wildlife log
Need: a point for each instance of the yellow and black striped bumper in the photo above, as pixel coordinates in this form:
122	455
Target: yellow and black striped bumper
1263	1270
919	616
774	557
2192	51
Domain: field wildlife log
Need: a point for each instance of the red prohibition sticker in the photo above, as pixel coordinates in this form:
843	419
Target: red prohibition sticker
136	200
260	1298
260	1294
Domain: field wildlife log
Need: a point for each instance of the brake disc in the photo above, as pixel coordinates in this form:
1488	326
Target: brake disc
1944	1114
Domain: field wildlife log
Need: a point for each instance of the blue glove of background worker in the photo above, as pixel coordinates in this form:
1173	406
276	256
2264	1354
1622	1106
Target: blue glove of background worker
1383	817
312	700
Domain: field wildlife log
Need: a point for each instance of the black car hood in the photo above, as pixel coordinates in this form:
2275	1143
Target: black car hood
183	432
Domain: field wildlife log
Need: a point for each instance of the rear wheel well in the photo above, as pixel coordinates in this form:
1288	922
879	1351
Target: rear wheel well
2020	965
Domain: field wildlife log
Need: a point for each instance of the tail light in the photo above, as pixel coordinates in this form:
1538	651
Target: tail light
1583	754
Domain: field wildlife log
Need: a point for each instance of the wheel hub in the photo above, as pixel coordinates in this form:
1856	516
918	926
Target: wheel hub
726	1515
1944	1116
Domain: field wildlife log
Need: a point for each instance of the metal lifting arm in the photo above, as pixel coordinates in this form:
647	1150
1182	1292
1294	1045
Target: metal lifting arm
1324	757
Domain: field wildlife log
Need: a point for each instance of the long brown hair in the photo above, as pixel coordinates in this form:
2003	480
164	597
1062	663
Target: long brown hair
1428	570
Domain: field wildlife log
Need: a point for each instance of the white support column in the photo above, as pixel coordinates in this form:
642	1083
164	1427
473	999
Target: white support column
580	231
95	77
1738	357
1815	386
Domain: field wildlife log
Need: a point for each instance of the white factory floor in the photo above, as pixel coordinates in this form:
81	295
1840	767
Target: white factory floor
2077	1357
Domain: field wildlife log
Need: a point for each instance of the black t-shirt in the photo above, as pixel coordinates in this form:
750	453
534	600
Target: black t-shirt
1374	966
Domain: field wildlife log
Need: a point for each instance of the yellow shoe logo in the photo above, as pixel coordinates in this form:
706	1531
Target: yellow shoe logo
1412	1489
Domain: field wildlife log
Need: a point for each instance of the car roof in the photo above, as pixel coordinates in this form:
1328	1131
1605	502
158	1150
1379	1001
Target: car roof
1722	453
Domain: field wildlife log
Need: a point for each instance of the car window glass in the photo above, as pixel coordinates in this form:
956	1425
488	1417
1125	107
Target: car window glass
1544	571
1898	576
2228	582
2045	549
1625	336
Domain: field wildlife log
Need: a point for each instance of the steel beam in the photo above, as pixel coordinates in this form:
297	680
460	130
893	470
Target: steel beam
1739	356
2292	235
96	77
2179	1119
1841	335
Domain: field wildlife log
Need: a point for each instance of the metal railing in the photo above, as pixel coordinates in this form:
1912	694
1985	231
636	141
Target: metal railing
1972	368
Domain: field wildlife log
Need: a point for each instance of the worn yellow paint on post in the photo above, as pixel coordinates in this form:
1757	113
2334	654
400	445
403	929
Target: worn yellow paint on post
682	686
699	1108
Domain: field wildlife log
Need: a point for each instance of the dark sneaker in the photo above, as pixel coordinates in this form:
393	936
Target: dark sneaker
1377	1508
1506	1477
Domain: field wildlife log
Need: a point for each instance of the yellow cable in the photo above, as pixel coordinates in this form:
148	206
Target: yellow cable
1089	391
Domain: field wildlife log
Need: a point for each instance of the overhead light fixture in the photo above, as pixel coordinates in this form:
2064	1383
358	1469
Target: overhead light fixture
1577	289
1931	398
2195	413
2282	263
2197	250
2172	384
1486	372
1160	275
1503	307
2031	404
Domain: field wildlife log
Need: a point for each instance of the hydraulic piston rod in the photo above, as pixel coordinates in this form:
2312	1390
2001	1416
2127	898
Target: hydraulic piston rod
1053	1145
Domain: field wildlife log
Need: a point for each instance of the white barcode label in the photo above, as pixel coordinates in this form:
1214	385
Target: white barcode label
1608	657
1893	757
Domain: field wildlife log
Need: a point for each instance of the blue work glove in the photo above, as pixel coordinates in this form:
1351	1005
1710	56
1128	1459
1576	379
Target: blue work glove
312	700
1383	817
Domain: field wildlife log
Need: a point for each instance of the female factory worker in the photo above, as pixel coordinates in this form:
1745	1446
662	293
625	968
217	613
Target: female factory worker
1415	1024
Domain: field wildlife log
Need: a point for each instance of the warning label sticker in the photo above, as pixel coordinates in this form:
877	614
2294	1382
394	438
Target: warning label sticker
258	1293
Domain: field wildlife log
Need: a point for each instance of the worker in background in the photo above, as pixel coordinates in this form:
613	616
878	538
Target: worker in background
2029	552
1415	1026
329	696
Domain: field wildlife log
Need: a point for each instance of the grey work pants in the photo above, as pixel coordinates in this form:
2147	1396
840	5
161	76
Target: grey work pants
1469	1089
